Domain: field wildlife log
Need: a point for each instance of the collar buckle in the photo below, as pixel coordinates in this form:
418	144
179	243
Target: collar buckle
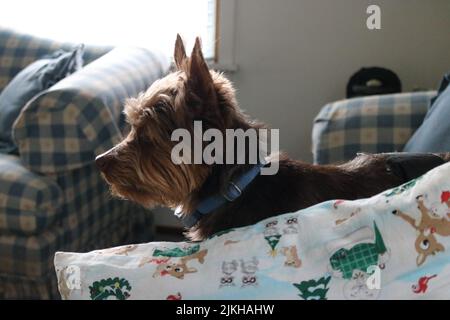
233	192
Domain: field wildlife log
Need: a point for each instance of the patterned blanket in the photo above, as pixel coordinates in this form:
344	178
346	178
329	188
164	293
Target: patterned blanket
390	246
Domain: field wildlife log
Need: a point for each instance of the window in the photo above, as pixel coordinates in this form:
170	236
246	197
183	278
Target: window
146	23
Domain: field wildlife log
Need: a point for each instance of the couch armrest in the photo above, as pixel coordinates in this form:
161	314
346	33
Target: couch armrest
65	127
372	124
29	202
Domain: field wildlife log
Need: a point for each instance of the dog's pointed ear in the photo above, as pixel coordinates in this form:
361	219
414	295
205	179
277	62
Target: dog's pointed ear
179	53
200	78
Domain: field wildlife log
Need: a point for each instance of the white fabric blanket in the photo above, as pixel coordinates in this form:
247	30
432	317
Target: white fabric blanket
395	245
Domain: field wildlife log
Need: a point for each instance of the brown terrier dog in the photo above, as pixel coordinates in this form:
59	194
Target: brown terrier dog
140	167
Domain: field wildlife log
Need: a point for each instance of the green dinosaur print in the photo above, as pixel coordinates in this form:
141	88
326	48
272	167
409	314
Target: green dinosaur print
176	252
314	289
359	257
402	188
119	288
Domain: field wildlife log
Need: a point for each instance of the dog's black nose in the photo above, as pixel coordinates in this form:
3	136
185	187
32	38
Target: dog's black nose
102	161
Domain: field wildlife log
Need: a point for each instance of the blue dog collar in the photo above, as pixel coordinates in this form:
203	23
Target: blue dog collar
208	205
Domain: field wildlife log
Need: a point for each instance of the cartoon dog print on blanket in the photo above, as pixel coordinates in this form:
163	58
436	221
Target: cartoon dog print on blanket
249	269
357	288
228	268
291	225
180	268
292	259
427	226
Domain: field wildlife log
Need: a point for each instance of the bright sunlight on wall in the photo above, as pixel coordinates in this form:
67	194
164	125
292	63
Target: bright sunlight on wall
146	23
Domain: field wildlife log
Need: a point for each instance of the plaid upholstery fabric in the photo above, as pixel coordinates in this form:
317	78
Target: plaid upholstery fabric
372	124
52	197
28	202
65	127
91	220
19	50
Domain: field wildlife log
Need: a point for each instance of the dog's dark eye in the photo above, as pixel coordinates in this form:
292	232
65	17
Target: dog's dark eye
159	106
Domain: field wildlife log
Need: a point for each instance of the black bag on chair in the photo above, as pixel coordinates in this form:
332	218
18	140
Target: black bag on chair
373	81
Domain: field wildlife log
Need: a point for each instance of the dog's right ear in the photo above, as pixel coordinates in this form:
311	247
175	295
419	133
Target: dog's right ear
199	77
179	53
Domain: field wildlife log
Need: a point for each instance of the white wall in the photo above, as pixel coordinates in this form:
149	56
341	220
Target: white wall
294	56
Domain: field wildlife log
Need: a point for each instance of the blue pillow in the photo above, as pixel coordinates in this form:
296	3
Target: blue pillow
434	133
35	78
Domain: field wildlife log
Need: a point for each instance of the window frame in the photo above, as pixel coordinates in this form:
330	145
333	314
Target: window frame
224	53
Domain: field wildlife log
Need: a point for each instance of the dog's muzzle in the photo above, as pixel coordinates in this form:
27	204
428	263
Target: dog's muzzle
103	161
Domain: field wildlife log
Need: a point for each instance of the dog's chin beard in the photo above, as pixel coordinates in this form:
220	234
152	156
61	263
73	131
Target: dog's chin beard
122	192
131	194
139	198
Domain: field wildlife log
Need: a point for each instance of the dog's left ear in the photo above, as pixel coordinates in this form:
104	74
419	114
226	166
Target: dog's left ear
200	79
179	53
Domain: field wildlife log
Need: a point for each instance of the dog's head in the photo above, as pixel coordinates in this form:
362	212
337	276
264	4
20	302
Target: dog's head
140	168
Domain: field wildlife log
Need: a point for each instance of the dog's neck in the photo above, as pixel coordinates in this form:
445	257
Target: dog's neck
215	183
228	191
240	211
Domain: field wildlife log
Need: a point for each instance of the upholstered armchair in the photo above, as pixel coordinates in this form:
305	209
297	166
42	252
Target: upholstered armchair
52	196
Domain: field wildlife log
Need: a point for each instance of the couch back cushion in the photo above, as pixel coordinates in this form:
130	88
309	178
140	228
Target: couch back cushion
17	50
372	124
34	79
434	133
81	116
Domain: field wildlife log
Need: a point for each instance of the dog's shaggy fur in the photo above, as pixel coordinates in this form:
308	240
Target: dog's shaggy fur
140	167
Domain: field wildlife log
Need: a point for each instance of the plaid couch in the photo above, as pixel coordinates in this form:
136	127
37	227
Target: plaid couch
52	197
372	124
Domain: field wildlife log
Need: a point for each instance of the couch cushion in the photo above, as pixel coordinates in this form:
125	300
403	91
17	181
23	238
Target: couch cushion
35	78
370	124
434	133
28	202
79	117
17	50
